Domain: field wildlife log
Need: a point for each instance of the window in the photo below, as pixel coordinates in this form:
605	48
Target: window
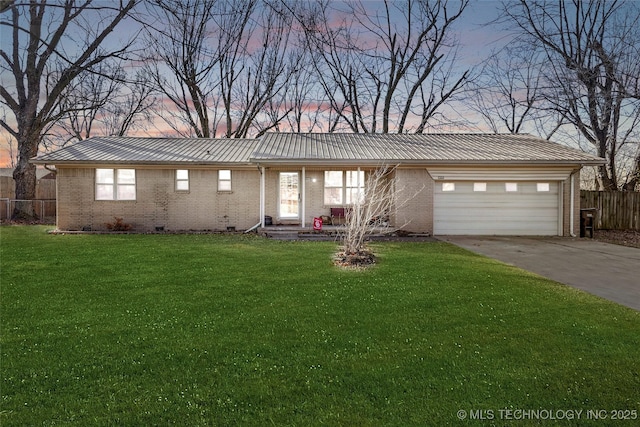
115	184
448	186
542	186
479	186
333	187
224	180
343	187
182	180
355	186
511	187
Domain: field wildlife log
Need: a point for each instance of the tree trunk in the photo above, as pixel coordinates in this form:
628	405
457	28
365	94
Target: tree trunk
24	176
44	61
634	179
604	179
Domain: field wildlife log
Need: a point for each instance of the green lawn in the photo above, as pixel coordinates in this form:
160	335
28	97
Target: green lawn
237	330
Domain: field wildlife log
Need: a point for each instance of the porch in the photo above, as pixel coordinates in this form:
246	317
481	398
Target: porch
334	233
296	232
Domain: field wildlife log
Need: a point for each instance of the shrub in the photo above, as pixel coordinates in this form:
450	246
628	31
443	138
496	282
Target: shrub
118	225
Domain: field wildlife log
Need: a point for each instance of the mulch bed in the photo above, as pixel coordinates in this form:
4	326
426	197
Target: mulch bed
361	259
619	237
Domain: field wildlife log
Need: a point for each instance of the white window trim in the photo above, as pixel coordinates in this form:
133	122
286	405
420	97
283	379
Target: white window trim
344	187
333	187
225	180
116	185
359	185
181	180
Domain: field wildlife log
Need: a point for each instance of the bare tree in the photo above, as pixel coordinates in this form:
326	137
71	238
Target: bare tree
302	99
255	72
181	68
102	101
81	102
592	53
229	65
10	143
508	94
372	211
40	67
130	110
386	68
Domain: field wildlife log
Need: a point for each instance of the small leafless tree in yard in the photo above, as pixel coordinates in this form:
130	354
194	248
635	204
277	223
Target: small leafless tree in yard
372	212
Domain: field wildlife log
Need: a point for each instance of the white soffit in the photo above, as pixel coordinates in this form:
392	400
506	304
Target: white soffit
499	174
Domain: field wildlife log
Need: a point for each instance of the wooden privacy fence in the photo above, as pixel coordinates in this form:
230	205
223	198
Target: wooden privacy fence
617	210
45	188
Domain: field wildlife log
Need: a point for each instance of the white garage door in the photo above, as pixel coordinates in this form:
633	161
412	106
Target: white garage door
496	208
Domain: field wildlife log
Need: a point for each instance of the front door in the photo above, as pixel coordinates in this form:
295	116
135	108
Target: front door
289	199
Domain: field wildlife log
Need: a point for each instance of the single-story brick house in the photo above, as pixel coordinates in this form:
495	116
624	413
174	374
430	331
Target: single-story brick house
463	183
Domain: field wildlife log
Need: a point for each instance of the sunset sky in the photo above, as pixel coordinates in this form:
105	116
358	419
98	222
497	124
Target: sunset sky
477	39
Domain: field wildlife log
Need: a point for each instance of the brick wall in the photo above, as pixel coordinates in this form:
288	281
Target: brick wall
157	202
315	196
414	189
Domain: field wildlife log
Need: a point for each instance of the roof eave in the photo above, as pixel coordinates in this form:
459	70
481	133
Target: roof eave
136	163
374	162
319	162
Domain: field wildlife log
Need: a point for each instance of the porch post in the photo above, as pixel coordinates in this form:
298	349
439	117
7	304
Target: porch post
262	196
304	196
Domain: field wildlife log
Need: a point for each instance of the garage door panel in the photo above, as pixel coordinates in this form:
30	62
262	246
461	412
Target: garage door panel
475	230
540	215
501	205
496	211
544	203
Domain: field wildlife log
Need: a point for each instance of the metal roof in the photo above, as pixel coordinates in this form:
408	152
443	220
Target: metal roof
130	150
321	148
415	148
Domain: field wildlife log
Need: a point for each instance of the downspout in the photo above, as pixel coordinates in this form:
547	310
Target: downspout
303	211
571	206
249	230
262	195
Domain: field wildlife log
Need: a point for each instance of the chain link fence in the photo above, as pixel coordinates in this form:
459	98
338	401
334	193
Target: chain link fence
44	210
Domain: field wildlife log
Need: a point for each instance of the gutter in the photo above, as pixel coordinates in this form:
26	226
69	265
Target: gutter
423	162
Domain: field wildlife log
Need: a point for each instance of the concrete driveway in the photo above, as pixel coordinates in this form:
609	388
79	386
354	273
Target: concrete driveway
609	271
